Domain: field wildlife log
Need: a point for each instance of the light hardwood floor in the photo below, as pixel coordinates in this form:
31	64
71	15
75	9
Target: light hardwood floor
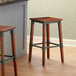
53	66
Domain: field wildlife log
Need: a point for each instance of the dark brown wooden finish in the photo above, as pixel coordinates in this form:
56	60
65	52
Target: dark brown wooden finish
6	28
14	52
61	41
45	21
48	40
2	55
2	30
31	40
43	49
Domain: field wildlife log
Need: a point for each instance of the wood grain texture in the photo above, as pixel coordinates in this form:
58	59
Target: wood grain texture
53	66
46	19
6	28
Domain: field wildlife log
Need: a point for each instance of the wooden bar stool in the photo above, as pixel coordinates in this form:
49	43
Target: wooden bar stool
3	60
45	21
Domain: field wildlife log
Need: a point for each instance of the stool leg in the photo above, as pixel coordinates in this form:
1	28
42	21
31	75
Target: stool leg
14	52
31	40
2	55
43	49
61	41
48	40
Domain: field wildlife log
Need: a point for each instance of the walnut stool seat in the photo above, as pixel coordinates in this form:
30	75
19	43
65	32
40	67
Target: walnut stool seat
45	22
3	60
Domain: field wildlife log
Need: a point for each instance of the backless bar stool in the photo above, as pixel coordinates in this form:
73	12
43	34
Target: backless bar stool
45	22
3	60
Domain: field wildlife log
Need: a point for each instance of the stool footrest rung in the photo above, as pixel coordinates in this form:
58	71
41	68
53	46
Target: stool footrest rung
8	57
37	45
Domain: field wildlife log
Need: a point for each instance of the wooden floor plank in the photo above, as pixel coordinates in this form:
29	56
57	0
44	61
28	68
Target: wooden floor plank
53	66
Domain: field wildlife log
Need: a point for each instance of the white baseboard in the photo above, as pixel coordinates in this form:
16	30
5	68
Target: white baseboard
66	42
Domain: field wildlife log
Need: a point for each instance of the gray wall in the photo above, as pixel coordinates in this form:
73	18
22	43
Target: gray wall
15	15
65	9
